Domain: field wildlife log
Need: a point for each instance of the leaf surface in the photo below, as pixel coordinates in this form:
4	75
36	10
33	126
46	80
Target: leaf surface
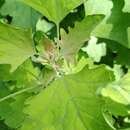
16	46
54	10
70	103
22	15
11	115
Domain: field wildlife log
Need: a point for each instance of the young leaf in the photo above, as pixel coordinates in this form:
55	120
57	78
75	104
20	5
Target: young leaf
74	40
54	10
70	103
16	46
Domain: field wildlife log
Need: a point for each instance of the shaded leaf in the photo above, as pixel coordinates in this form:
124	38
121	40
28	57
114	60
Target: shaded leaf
1	3
12	115
22	15
120	54
4	126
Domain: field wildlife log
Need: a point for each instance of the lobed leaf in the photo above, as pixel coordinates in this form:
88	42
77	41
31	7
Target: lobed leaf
16	46
70	103
54	10
72	42
116	25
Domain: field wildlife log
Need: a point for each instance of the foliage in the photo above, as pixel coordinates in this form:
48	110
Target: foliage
64	65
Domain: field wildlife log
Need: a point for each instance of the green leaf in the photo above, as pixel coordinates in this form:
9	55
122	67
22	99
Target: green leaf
16	46
119	91
116	24
76	15
12	117
11	110
80	64
115	113
74	40
54	10
23	16
118	72
26	74
70	103
121	53
4	72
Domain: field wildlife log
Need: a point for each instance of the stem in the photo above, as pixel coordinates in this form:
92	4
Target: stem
58	32
20	92
58	35
16	93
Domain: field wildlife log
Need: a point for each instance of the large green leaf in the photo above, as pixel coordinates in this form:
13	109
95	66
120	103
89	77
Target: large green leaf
74	40
54	10
116	24
15	45
70	103
23	15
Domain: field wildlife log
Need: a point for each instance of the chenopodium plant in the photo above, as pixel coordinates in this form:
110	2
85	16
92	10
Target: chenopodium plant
49	83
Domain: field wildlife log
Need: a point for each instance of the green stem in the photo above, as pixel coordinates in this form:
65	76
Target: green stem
58	35
58	32
16	93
